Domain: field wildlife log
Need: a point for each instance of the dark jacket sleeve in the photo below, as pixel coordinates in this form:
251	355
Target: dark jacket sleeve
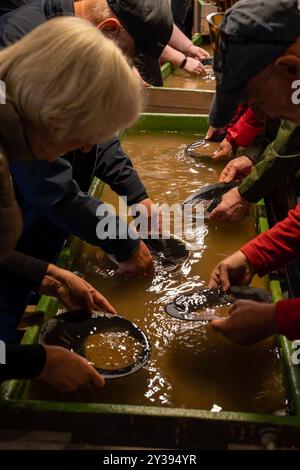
50	189
8	5
114	167
18	18
24	270
21	362
280	159
256	150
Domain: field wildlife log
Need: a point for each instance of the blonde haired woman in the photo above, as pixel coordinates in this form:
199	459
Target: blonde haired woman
67	87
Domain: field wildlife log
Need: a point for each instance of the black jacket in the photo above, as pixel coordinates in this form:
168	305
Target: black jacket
61	186
8	5
58	190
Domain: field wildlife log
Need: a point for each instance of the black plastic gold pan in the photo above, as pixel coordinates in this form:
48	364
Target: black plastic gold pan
71	329
210	195
195	305
170	252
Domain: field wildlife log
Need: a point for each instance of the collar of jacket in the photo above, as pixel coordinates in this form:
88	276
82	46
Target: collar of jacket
12	136
55	8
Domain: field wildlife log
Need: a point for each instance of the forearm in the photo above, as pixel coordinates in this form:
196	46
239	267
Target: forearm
81	217
115	168
255	151
24	270
276	247
258	183
22	362
50	190
173	56
275	134
267	174
245	130
180	41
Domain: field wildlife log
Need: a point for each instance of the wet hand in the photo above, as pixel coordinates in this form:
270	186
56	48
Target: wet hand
224	151
152	215
194	66
68	371
139	264
214	132
248	322
233	270
237	169
73	291
231	208
197	52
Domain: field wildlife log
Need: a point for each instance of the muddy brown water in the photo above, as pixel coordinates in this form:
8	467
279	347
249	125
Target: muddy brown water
191	365
182	79
112	350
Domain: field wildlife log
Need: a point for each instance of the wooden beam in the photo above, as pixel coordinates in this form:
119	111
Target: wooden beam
175	100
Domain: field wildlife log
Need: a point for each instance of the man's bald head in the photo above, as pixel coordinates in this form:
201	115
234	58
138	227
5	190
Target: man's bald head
103	17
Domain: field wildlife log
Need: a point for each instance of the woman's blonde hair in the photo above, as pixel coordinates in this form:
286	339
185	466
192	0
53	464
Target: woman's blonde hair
65	78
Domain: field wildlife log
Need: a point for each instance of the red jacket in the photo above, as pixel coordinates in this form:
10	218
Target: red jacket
271	250
244	128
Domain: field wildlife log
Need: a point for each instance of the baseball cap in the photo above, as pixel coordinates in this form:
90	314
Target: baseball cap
251	36
150	23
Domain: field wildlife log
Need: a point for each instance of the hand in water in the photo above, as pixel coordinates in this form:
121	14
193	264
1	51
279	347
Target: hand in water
237	169
224	151
73	291
233	270
194	66
231	208
151	214
248	322
139	264
214	132
67	371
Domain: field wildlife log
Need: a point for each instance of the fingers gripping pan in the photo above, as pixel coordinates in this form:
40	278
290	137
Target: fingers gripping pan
202	149
169	252
203	304
115	346
210	196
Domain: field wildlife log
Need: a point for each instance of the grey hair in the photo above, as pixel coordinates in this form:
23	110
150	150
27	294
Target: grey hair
68	79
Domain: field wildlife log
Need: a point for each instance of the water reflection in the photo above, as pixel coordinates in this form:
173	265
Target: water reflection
191	365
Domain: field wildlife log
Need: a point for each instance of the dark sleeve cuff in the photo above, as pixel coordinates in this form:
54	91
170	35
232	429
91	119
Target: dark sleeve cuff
138	198
256	150
23	362
132	188
23	269
131	246
250	190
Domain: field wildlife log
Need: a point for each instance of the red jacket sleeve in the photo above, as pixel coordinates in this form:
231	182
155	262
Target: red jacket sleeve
288	318
242	108
276	247
271	250
245	130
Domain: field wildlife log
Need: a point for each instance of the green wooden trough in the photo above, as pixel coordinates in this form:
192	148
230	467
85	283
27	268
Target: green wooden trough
147	426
